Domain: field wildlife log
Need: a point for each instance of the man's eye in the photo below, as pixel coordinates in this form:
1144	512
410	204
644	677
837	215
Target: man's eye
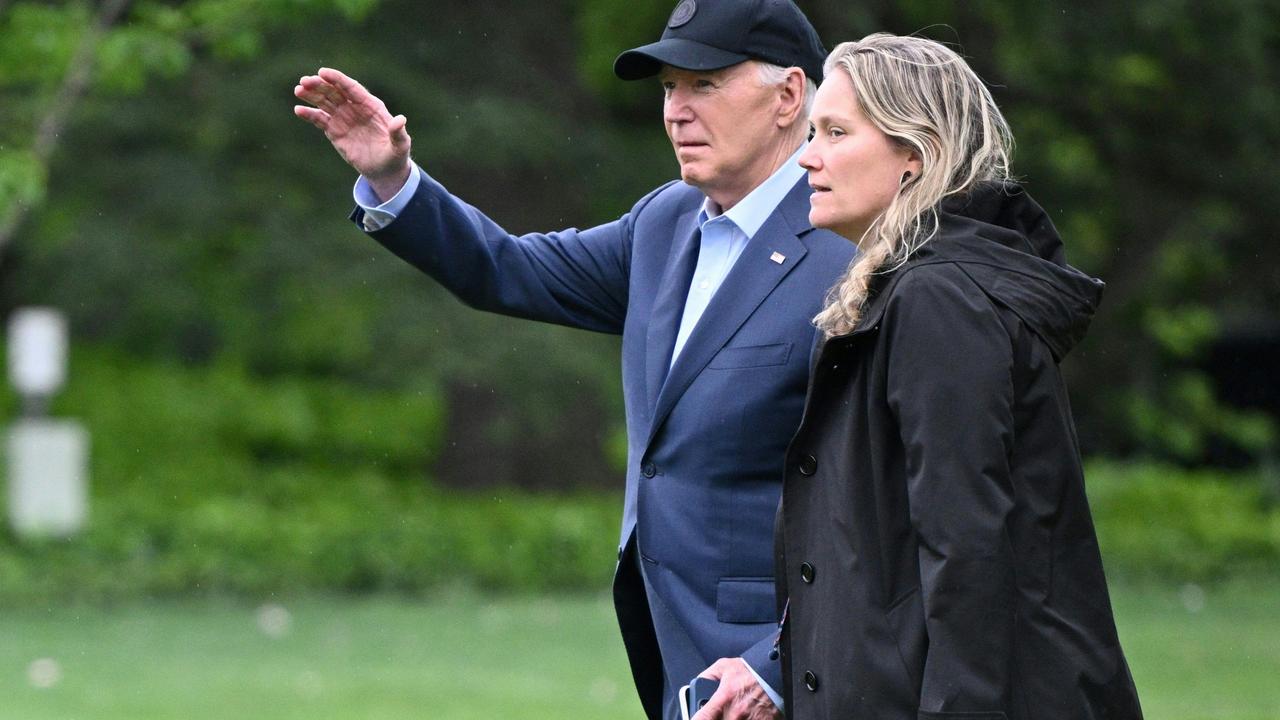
703	84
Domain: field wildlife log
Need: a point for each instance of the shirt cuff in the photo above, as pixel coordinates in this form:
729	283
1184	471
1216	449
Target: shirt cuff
378	215
773	694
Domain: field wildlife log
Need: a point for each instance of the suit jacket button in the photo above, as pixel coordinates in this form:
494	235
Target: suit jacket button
806	572
811	681
808	465
649	469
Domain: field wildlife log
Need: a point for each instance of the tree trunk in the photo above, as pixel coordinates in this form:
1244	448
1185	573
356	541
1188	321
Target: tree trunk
74	85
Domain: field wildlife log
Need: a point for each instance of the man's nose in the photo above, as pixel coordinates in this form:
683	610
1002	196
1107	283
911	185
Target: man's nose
675	109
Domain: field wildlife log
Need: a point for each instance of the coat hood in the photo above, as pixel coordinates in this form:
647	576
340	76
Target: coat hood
1008	245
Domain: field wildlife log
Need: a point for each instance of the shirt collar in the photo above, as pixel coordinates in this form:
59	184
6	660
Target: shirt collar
751	212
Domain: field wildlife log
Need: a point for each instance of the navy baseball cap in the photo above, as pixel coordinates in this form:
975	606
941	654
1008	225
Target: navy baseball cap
714	34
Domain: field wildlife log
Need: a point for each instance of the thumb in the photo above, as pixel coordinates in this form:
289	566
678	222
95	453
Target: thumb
399	137
715	706
717	669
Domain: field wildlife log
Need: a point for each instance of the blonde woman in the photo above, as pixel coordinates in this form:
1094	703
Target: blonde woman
937	555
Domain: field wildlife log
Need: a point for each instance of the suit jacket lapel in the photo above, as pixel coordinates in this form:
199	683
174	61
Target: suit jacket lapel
752	278
668	304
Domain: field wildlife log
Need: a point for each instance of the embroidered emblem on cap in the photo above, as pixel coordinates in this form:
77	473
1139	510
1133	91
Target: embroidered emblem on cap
683	13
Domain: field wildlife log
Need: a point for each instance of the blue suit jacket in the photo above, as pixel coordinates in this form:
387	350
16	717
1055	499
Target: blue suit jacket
707	440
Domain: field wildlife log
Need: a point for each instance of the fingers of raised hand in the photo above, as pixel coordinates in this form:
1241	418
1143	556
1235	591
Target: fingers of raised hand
319	118
316	91
338	79
307	96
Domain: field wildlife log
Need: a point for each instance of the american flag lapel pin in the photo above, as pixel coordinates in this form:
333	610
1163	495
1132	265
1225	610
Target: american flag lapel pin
777	257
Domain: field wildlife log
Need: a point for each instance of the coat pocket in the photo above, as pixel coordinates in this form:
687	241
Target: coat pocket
906	621
751	356
746	600
996	715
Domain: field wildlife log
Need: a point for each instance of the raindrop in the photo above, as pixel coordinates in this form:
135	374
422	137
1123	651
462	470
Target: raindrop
604	690
44	673
310	684
1193	597
274	620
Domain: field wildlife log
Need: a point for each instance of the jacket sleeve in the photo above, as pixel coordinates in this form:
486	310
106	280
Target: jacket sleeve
950	389
762	659
575	278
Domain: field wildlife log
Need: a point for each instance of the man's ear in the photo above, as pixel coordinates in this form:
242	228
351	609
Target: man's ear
791	97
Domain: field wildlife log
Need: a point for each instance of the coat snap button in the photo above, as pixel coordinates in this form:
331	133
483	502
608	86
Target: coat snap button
811	681
806	572
809	465
649	469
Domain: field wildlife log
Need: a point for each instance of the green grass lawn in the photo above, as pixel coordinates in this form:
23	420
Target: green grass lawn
1211	654
372	659
529	658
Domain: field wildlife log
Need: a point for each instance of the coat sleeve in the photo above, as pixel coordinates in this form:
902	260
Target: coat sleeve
763	659
575	278
950	389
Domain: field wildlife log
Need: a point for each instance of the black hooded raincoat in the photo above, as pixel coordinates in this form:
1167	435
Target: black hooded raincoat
935	542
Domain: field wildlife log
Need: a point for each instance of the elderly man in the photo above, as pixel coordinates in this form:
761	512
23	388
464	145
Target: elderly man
711	280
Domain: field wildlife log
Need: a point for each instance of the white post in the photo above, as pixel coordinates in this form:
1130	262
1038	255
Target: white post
48	478
47	458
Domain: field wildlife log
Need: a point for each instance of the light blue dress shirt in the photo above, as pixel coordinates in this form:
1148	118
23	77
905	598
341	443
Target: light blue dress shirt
378	214
724	236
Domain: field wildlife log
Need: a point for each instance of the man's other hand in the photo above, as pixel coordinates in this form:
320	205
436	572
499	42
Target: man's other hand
368	137
739	696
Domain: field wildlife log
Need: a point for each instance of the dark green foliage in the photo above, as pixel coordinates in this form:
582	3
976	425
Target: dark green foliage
217	481
359	533
344	533
1141	126
199	220
213	230
1158	522
273	397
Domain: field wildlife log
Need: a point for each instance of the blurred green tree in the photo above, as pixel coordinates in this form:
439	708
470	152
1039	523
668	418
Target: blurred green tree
52	54
183	213
1144	129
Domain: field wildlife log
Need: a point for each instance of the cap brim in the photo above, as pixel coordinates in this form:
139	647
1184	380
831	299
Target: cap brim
647	60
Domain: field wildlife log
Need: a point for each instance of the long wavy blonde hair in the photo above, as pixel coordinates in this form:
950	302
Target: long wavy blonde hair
923	95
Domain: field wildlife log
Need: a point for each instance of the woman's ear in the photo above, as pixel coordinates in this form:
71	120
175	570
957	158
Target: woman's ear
914	163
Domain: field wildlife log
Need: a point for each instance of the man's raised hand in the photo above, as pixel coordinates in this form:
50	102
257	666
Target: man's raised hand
358	125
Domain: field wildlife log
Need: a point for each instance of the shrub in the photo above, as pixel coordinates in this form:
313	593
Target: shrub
211	480
1162	522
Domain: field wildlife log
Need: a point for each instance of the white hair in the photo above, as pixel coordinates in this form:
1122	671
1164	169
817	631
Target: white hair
776	74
